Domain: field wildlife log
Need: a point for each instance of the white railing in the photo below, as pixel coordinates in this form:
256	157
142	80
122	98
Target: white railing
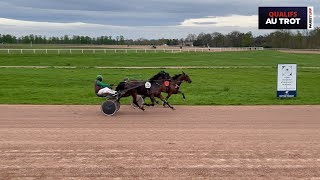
93	51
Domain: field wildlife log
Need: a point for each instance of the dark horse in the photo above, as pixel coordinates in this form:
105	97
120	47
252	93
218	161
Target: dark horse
134	88
174	85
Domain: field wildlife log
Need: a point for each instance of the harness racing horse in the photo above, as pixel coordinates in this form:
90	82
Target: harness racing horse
151	88
174	86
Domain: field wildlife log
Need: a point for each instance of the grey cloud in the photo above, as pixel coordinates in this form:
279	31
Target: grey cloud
132	12
143	18
149	32
205	23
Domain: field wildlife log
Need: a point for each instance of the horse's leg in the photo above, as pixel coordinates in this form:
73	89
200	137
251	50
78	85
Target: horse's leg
156	101
165	101
134	100
134	96
147	103
153	100
144	97
168	96
184	97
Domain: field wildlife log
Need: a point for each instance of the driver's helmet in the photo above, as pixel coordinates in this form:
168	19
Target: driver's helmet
99	78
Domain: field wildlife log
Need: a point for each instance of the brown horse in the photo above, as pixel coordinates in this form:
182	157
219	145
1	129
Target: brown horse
174	86
150	88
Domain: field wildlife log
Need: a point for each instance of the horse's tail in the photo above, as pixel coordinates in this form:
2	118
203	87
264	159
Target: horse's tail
120	87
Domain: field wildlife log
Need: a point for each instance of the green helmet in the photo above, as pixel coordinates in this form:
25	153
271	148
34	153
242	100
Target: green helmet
99	77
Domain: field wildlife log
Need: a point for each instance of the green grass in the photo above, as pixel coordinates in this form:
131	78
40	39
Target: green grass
246	58
209	87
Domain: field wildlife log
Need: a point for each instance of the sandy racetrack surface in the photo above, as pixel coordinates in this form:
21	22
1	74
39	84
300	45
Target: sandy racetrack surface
222	142
301	51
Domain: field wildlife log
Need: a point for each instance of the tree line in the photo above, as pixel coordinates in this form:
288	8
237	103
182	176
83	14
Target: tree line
277	39
38	39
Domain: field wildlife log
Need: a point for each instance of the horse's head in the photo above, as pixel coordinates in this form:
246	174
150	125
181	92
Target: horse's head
185	77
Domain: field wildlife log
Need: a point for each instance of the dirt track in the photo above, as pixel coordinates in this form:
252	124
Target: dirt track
238	142
301	51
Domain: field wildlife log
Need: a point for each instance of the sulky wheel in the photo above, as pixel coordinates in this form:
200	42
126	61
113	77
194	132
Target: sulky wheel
140	101
109	108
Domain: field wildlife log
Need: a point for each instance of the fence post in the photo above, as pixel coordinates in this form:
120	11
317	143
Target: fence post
188	50
8	51
46	51
164	50
81	51
115	50
171	50
34	51
21	51
126	50
58	51
105	51
136	50
94	51
155	51
70	51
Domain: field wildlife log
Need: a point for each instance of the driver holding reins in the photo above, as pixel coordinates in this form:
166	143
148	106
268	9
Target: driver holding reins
102	89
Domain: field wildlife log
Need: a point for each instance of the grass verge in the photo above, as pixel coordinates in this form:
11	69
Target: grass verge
209	87
245	58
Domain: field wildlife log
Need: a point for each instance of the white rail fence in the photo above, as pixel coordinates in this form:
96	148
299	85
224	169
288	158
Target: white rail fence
93	51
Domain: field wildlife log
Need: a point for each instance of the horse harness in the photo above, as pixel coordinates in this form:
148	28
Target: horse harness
166	83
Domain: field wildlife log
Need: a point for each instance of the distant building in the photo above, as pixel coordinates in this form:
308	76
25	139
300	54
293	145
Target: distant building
188	43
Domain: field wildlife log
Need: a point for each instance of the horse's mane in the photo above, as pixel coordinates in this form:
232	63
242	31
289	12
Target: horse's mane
155	77
176	76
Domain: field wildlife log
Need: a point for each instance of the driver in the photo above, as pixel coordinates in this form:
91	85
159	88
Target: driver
102	89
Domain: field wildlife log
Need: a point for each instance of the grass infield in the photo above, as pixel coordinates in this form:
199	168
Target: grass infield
247	86
245	58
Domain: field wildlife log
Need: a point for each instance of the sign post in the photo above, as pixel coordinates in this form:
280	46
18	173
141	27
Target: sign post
287	80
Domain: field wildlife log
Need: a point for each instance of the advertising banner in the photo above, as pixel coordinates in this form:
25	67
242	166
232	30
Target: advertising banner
286	18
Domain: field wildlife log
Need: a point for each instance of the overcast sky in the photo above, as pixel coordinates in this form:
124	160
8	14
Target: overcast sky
136	18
